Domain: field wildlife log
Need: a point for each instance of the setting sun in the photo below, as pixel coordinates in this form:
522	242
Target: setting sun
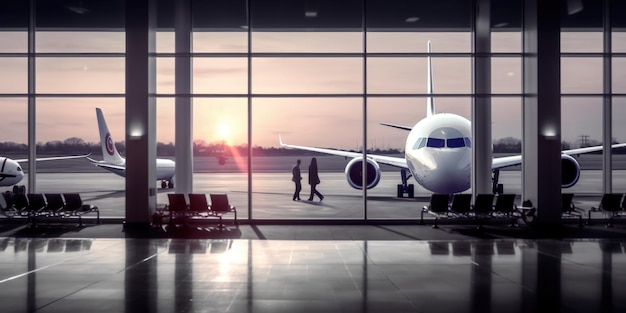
224	132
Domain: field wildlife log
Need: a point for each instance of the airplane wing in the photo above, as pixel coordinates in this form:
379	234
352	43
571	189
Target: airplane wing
397	126
55	158
517	159
112	168
388	160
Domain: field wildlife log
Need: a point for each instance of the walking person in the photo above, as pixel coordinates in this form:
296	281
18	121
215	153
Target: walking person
314	180
297	180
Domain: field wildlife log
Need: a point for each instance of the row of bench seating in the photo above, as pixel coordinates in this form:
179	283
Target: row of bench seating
33	205
180	211
460	205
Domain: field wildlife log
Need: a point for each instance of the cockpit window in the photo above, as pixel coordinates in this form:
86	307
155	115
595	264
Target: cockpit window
468	142
420	143
456	143
19	169
436	143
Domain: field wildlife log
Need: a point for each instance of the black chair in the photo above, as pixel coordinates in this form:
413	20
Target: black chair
610	204
438	207
220	206
199	206
36	204
483	207
568	209
177	207
55	203
461	204
74	206
7	205
505	207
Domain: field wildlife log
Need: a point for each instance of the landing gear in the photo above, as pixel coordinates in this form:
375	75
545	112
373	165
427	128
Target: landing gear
496	187
167	184
405	187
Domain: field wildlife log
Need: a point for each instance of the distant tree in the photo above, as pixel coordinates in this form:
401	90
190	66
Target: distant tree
507	145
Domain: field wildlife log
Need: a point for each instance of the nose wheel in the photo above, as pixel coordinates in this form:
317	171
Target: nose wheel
167	184
405	187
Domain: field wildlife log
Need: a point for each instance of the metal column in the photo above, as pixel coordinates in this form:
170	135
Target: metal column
481	106
140	112
541	149
184	107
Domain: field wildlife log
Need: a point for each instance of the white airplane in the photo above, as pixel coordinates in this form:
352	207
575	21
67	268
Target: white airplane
11	172
115	163
438	155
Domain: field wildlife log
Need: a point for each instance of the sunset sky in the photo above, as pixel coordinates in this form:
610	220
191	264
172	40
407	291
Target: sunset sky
322	121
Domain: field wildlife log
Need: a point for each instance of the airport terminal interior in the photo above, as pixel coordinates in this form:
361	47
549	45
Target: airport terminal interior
115	109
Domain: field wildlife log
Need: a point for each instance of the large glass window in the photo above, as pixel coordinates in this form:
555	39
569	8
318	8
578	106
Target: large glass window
78	136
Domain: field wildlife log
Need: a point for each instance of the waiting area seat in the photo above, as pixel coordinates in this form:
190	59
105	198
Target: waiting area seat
180	212
438	207
611	205
568	209
49	205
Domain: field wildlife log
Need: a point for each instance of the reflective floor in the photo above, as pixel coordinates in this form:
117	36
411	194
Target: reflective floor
178	275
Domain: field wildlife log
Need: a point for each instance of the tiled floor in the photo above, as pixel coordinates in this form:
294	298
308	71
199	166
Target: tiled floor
256	275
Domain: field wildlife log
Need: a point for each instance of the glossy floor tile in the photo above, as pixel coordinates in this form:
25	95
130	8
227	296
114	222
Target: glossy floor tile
176	275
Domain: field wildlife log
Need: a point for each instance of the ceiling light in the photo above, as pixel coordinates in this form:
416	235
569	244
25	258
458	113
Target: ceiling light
310	13
412	19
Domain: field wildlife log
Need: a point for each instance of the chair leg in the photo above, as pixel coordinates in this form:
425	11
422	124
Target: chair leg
436	225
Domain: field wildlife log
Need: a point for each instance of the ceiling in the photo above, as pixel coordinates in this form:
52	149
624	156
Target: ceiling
307	15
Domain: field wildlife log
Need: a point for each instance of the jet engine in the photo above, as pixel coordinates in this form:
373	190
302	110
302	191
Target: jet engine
354	171
570	171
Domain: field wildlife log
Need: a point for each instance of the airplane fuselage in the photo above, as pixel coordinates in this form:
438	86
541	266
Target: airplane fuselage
165	169
10	172
438	153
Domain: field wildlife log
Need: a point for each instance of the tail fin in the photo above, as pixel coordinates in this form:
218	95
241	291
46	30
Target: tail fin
430	102
109	152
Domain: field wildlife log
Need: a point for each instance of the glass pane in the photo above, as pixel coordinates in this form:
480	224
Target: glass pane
506	41
74	41
307	75
581	126
311	122
80	75
14	75
14	129
80	136
307	42
618	43
165	77
581	42
13	41
619	74
417	42
506	75
581	75
220	136
409	75
506	137
220	75
165	42
619	136
220	42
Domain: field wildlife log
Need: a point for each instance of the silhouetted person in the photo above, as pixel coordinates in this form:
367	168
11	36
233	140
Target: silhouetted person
297	180
314	180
